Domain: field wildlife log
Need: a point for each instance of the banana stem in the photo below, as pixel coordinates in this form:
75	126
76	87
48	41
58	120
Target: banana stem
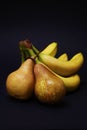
28	50
22	54
31	52
35	49
26	53
33	55
37	61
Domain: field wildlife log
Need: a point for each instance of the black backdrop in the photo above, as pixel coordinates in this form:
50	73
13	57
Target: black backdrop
42	22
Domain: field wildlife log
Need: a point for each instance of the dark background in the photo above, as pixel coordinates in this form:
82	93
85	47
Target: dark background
43	22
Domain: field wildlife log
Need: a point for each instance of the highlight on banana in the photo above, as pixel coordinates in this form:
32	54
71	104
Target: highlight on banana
42	73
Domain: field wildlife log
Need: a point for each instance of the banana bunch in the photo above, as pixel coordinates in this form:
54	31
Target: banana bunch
65	68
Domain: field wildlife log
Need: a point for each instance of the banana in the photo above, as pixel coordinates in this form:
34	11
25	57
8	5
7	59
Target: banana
51	49
71	83
60	67
63	57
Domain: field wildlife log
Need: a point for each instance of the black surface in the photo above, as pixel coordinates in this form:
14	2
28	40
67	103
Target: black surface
43	23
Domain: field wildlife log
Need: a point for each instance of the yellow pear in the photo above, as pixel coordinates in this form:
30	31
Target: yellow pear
49	88
20	83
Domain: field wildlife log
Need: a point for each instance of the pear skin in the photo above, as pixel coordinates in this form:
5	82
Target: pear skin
49	88
20	83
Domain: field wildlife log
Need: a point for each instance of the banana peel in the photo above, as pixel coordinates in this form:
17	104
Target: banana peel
60	67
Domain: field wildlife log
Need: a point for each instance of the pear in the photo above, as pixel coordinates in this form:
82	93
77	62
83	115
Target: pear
20	83
49	88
